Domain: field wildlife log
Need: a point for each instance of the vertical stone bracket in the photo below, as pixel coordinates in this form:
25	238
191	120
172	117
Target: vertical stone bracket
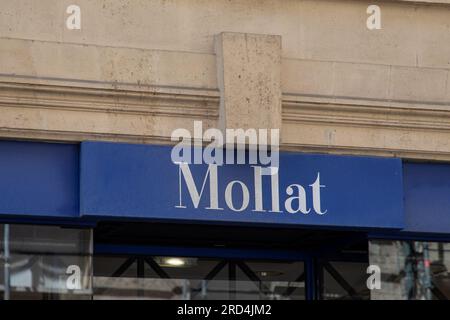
248	70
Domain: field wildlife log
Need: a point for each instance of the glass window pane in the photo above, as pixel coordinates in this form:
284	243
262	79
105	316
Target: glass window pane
345	281
49	262
411	270
196	278
32	238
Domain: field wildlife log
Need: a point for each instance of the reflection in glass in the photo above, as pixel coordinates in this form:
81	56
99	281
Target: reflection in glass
411	270
48	263
344	281
196	279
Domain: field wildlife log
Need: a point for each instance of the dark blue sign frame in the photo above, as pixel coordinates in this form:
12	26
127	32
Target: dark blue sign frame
141	182
81	184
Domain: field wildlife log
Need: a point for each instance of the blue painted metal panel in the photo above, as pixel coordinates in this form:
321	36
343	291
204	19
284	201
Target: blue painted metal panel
427	198
39	179
140	181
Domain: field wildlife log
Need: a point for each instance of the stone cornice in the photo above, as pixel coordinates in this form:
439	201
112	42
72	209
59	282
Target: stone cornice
195	103
411	115
145	114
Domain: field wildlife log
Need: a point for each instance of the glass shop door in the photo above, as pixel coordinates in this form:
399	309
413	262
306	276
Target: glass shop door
195	262
196	278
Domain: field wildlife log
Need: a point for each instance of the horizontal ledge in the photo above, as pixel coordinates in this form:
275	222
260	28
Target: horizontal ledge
368	151
154	101
75	137
367	116
423	1
102	94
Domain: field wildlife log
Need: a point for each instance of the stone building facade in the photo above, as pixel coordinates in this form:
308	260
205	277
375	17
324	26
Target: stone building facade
139	69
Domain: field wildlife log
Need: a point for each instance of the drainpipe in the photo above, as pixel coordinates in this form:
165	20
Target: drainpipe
6	258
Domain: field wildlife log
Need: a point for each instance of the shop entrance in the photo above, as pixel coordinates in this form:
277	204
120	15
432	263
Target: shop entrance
196	278
199	262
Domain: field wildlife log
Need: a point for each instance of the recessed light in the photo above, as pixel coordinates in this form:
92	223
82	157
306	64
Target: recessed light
175	262
269	273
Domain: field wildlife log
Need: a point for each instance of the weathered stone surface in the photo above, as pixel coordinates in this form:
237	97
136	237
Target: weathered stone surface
248	73
137	69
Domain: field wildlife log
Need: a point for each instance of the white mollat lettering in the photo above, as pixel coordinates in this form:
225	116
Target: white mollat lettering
316	195
296	194
193	192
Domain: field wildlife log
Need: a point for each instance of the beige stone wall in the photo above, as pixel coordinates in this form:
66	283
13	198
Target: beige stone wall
427	1
140	68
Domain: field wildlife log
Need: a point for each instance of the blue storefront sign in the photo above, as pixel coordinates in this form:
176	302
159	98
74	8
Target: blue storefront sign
39	179
141	181
96	181
427	197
